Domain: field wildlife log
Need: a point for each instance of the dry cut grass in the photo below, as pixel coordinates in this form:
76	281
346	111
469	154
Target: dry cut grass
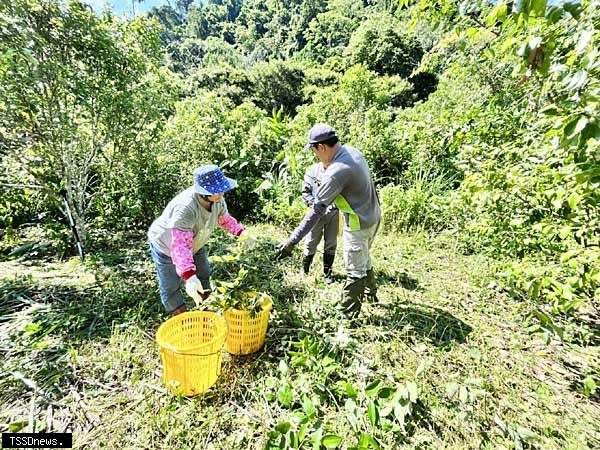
79	355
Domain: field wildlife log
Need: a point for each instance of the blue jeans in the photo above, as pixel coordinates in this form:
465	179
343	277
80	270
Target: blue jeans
169	283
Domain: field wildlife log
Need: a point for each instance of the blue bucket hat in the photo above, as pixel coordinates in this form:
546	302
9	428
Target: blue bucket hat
209	180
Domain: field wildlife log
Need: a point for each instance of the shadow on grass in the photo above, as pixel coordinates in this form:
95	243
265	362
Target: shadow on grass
578	386
398	278
47	323
584	381
589	333
44	324
242	374
421	322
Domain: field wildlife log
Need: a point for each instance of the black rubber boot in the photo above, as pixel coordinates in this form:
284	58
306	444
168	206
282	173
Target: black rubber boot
352	296
306	262
328	267
371	285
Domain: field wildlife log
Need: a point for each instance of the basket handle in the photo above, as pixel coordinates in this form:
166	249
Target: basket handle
178	352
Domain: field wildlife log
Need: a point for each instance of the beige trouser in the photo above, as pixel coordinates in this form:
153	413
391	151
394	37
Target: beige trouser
357	246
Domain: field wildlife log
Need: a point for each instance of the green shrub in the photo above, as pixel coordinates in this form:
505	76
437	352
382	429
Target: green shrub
396	91
418	205
226	81
566	285
382	45
282	210
278	85
328	35
358	109
18	203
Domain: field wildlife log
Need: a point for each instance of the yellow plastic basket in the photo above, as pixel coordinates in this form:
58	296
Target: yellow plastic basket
246	334
190	351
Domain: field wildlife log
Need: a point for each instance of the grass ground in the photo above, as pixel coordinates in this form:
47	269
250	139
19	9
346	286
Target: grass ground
441	361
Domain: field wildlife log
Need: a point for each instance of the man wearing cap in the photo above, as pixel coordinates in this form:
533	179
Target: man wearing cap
346	182
179	236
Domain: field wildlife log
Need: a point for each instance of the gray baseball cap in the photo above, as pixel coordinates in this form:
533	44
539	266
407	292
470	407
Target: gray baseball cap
319	133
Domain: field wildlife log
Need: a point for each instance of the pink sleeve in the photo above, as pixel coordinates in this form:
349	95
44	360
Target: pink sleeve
231	225
182	243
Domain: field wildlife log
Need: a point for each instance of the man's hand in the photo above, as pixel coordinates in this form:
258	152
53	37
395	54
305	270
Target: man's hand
248	240
330	208
284	250
194	289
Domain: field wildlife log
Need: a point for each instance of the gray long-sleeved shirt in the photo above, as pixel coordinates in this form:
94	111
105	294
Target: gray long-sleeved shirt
347	182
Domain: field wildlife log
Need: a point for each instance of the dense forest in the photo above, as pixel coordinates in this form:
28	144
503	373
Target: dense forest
479	121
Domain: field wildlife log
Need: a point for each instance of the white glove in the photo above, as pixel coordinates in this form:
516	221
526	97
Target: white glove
248	240
330	208
194	289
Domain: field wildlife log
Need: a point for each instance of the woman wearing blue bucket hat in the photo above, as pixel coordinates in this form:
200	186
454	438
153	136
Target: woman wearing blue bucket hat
179	236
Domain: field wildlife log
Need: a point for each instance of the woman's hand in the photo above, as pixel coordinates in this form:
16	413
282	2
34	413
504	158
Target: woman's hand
248	240
194	289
